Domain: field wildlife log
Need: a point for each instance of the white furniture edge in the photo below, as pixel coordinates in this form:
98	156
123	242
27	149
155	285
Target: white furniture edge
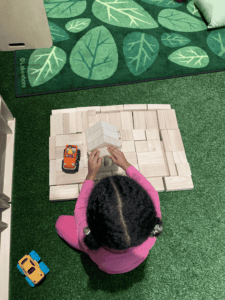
6	215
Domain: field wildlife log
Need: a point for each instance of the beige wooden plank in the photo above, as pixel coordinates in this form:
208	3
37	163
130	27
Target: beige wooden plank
63	192
165	158
62	140
131	157
132	107
139	119
65	178
175	140
161	119
153	170
179	157
59	124
183	169
141	146
72	119
159	106
86	108
52	172
150	158
78	119
127	135
151	119
115	119
171	164
59	152
139	135
111	108
52	146
66	123
126	120
170	119
91	117
63	111
154	146
178	183
53	126
84	120
104	117
152	134
75	139
128	146
157	183
166	140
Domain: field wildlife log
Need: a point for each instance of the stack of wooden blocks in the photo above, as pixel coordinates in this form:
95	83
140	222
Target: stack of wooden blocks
147	134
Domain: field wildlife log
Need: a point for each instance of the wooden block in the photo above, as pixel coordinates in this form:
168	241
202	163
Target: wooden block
115	119
183	169
92	118
59	124
141	146
62	140
152	134
171	164
126	120
159	106
78	119
84	120
104	117
175	140
66	123
128	146
150	158
179	157
52	146
170	119
151	119
86	108
139	119
153	170
166	140
52	125
161	120
127	135
52	172
134	107
59	152
154	146
178	183
131	157
139	135
63	192
111	108
75	139
157	183
63	111
165	158
72	119
65	178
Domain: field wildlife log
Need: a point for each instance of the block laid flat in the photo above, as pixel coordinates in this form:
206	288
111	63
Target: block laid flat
148	136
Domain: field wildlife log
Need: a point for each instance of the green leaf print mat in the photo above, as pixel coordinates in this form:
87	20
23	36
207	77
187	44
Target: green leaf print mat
111	42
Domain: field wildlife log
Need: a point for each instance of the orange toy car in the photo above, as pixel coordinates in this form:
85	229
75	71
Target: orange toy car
34	272
71	158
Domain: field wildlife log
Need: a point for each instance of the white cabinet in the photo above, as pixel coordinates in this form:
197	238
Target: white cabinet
7	138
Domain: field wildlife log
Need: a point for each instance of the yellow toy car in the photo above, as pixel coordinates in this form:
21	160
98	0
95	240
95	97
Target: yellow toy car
34	272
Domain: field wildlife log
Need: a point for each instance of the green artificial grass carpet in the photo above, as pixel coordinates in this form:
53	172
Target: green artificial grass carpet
103	43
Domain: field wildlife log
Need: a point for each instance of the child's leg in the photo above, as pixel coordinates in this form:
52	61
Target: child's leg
67	230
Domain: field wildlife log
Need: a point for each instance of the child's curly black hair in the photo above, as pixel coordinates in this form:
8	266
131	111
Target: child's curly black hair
120	214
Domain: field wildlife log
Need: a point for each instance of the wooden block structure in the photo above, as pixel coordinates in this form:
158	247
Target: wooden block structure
147	134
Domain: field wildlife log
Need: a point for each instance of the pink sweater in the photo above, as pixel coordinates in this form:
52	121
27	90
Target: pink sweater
114	261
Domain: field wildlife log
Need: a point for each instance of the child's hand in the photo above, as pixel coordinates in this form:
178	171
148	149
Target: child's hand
94	162
117	156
